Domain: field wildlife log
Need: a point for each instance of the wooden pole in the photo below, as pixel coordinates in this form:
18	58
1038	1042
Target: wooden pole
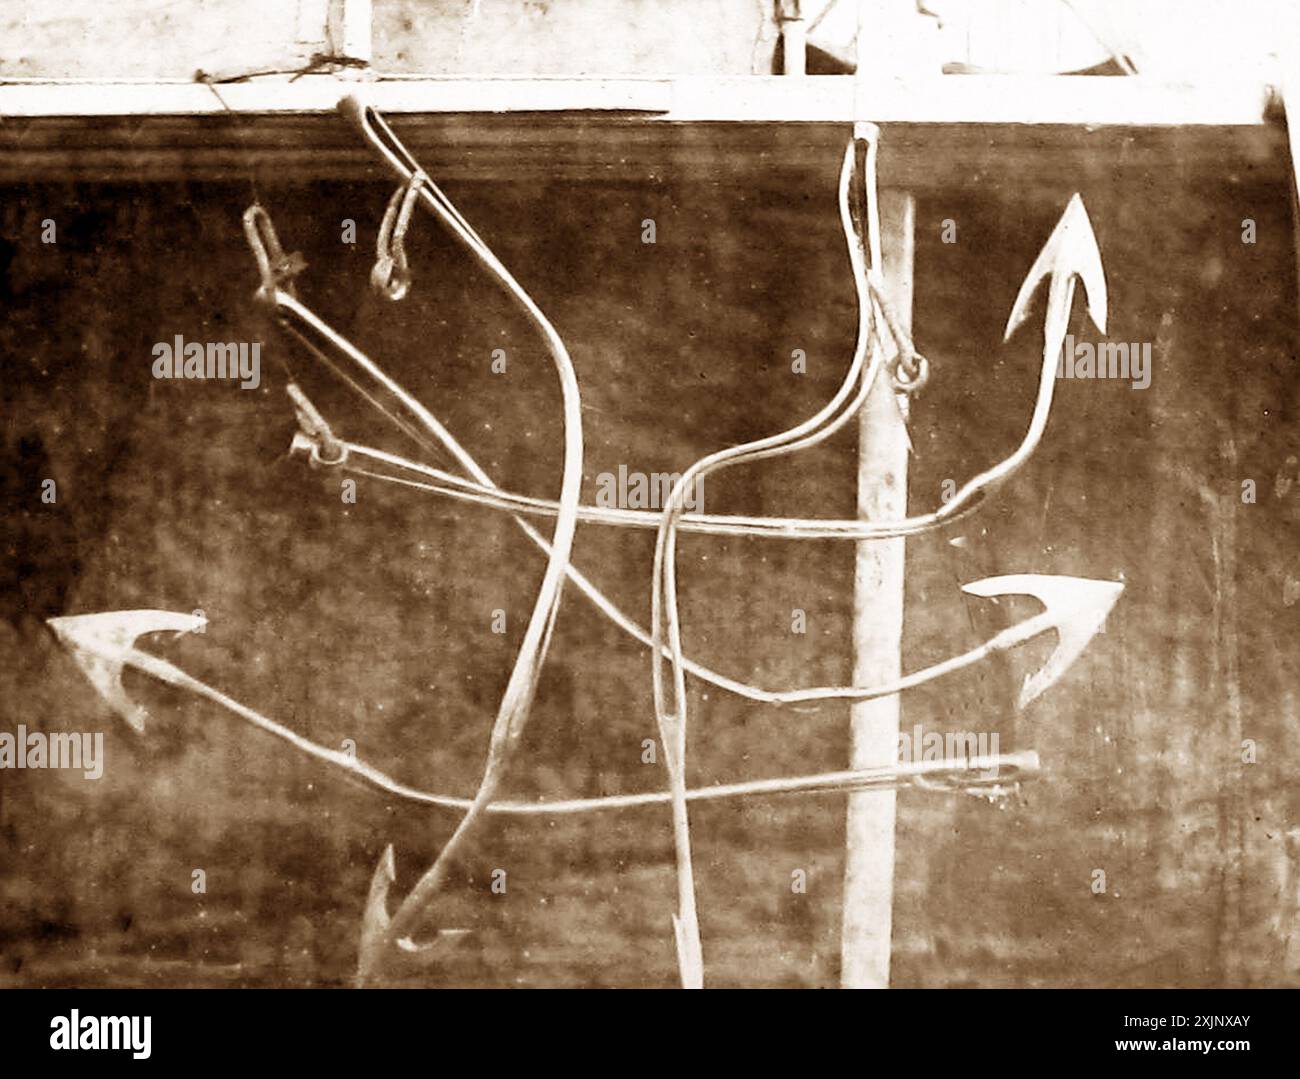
794	37
883	448
350	29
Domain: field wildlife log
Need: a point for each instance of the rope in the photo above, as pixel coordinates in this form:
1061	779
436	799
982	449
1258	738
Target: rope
244	127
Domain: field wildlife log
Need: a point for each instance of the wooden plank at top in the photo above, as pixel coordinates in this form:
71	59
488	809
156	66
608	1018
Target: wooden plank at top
941	99
146	39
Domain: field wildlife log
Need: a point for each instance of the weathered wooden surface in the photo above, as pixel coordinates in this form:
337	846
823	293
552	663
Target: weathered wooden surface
150	39
879	575
372	621
156	39
594	37
1178	39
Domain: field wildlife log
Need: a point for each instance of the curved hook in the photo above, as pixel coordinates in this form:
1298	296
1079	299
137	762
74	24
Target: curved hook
911	379
516	702
391	275
276	268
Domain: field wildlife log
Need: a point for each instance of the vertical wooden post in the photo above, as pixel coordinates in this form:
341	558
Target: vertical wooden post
350	26
794	37
312	23
883	448
884	29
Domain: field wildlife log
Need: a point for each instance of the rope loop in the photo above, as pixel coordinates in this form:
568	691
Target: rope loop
391	274
276	268
909	377
909	371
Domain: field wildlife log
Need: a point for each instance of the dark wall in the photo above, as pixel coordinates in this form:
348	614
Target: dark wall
372	621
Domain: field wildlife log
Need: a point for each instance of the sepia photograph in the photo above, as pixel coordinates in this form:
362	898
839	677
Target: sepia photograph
649	494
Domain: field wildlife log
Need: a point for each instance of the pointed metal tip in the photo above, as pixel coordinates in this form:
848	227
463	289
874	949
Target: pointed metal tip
1063	596
375	918
690	961
1076	607
101	643
1071	249
121	628
385	874
1087	261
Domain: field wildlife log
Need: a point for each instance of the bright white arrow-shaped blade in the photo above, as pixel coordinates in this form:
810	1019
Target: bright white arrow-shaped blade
1070	250
102	643
1076	607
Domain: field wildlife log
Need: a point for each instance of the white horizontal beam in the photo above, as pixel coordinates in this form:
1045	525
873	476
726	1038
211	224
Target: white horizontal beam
1089	101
